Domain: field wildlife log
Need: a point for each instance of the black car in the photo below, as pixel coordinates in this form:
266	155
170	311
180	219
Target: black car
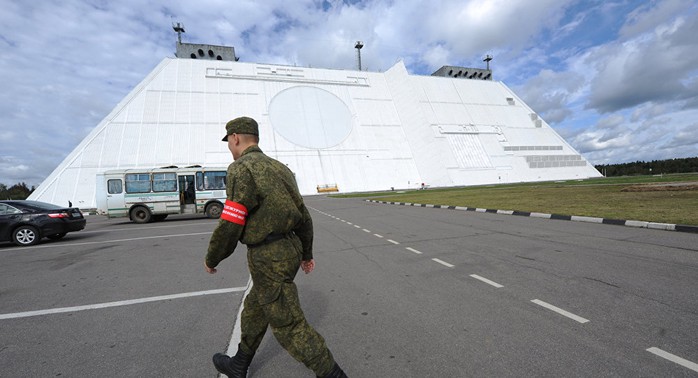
26	222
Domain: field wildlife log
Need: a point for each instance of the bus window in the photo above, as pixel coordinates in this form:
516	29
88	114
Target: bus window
214	180
164	182
137	183
114	186
199	180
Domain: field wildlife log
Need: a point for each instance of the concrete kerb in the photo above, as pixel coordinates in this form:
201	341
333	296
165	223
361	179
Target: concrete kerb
575	218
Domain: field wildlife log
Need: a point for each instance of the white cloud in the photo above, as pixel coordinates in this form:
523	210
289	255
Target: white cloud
648	68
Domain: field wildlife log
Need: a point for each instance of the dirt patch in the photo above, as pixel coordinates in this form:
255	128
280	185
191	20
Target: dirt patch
663	187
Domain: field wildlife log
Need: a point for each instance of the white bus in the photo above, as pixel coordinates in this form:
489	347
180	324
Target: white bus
146	195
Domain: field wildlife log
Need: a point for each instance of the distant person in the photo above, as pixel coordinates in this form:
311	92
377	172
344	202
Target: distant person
265	211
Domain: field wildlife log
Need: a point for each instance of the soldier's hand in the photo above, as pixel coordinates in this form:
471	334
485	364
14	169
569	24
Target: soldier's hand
210	270
308	265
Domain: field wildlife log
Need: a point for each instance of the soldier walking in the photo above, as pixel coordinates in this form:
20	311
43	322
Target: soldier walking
265	211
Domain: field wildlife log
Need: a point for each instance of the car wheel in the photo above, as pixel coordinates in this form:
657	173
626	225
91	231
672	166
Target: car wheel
214	210
26	235
57	236
140	214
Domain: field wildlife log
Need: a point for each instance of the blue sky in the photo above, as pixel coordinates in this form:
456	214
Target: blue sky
617	79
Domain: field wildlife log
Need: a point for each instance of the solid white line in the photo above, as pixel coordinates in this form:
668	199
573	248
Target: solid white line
413	250
237	329
207	224
392	241
27	314
380	236
673	358
485	280
365	230
560	311
444	263
52	245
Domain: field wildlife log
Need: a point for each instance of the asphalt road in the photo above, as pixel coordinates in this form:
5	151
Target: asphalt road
398	291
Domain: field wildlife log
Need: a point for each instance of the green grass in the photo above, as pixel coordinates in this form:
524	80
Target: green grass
601	198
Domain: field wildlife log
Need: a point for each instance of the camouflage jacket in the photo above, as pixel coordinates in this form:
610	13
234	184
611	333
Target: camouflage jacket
266	191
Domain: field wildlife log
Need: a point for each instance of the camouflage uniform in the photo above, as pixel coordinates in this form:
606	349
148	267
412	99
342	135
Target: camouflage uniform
278	230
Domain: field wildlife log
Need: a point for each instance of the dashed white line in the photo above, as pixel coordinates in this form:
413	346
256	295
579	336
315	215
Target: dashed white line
379	236
485	280
413	250
560	311
357	226
349	223
444	263
365	230
392	241
116	304
673	358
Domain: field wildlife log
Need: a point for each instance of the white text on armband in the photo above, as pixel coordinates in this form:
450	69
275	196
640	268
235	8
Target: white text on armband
234	212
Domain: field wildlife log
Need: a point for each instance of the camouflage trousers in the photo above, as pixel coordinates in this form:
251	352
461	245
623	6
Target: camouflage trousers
273	301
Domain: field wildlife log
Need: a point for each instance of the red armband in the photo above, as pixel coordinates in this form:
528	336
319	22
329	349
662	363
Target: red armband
234	212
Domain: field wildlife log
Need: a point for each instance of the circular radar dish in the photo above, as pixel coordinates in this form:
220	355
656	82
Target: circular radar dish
310	117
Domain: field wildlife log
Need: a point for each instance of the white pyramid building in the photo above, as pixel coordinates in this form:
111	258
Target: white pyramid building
350	130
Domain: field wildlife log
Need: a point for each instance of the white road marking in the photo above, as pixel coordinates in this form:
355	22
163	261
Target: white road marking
52	311
365	230
357	226
82	232
560	311
413	250
380	236
673	358
237	329
392	241
485	280
349	223
444	263
52	245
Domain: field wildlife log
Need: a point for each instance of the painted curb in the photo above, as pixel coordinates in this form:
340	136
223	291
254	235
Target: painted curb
575	218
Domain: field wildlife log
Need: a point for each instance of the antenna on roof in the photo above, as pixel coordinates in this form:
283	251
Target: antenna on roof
358	47
487	59
179	28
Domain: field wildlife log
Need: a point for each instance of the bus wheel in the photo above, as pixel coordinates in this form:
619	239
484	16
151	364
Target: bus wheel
213	210
140	214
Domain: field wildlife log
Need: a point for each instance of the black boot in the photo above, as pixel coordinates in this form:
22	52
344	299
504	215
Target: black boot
235	367
336	372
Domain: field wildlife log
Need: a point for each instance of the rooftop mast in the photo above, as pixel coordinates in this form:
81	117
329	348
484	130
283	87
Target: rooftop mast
179	28
358	47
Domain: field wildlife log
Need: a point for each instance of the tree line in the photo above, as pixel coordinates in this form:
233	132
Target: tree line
15	192
654	167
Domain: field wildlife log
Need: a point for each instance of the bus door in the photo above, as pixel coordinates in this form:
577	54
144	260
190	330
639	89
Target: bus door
187	191
115	203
